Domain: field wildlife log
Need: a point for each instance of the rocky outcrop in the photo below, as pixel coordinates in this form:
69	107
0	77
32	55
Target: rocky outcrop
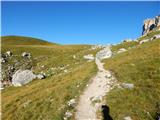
150	24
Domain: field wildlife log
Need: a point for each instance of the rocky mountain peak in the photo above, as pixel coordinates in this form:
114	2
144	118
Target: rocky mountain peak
150	24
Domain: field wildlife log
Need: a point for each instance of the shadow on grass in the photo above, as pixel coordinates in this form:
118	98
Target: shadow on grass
105	112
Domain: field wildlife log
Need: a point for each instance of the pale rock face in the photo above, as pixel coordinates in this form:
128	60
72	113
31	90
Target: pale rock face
151	24
88	57
22	77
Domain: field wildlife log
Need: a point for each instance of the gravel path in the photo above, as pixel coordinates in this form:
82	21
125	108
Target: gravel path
91	99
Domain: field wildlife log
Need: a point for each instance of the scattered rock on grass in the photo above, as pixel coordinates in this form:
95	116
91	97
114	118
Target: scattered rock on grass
121	50
88	57
9	53
74	56
127	85
25	54
156	36
72	103
68	114
65	71
3	60
143	41
127	118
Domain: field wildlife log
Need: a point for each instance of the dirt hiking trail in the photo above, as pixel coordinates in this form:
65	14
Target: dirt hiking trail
92	97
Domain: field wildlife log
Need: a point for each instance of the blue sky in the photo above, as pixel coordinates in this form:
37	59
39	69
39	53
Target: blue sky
77	22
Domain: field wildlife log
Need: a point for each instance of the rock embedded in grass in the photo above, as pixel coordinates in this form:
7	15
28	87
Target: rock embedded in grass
22	77
121	50
127	85
68	114
72	103
127	118
144	41
74	56
3	60
88	57
9	53
156	36
25	54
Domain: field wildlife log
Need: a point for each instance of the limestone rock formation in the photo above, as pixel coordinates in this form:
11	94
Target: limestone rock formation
150	24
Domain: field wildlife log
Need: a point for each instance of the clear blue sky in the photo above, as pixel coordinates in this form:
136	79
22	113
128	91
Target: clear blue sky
77	22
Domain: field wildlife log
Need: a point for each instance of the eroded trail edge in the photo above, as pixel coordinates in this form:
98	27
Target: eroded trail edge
92	98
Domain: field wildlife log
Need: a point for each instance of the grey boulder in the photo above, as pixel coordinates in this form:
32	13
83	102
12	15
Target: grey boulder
22	77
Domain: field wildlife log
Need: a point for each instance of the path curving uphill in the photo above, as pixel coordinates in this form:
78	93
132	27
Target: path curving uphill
91	99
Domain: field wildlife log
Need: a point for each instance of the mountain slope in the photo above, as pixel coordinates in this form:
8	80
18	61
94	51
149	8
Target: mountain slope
66	77
139	65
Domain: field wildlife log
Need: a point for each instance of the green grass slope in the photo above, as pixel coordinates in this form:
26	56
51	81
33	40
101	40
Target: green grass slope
21	40
140	66
47	99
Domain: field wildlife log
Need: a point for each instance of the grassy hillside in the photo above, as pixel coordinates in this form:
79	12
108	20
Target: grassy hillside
47	99
132	44
21	40
140	66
